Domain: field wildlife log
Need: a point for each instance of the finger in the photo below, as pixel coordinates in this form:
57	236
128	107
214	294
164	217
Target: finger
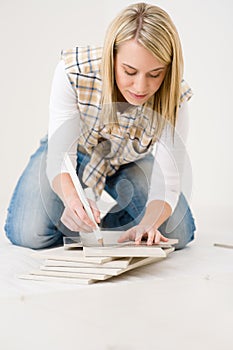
95	211
70	220
141	232
69	224
138	238
74	219
96	214
159	237
151	237
128	235
123	238
81	213
163	238
83	227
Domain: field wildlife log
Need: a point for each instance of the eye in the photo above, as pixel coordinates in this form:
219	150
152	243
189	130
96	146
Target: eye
128	73
155	76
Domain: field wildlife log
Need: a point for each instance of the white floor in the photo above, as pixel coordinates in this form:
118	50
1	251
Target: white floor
183	302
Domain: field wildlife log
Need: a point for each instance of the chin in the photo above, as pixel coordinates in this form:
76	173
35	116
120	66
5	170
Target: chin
136	103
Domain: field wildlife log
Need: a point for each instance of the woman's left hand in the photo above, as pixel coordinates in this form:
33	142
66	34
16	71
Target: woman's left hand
140	231
156	213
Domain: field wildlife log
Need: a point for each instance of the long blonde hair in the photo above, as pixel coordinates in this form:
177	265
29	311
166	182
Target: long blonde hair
152	28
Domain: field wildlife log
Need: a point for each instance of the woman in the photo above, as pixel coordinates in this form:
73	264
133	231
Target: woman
108	108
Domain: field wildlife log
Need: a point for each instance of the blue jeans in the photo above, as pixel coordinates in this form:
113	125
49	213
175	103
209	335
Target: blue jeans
34	213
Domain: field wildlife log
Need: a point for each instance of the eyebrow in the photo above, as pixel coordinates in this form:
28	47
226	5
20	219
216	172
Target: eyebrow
153	70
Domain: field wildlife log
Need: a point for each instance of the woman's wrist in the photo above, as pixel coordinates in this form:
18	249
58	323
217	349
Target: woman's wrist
157	212
64	188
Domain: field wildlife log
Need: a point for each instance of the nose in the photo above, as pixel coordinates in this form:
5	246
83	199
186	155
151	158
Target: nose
140	84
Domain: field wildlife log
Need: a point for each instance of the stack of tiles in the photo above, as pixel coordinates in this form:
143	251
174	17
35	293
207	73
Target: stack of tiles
71	264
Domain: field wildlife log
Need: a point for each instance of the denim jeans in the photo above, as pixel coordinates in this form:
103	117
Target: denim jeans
35	210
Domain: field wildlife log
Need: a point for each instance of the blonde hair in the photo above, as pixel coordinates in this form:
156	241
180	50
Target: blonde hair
152	28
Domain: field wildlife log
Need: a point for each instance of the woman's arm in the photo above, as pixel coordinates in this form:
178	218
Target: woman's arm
165	182
63	136
170	156
64	124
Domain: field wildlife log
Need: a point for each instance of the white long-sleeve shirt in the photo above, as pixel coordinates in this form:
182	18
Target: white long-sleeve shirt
64	130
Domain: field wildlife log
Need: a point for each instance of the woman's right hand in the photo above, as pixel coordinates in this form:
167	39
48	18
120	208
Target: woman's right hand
75	217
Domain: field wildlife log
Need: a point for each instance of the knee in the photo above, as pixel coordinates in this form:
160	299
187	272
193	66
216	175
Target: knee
180	226
35	241
33	235
184	236
184	233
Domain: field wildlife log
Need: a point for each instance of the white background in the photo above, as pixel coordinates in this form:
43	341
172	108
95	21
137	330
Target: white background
32	34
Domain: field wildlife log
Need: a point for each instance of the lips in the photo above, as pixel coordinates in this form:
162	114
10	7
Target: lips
136	96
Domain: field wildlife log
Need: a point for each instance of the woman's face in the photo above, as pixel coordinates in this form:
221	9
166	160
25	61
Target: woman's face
138	73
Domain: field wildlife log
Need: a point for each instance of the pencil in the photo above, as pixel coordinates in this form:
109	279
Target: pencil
223	245
83	198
